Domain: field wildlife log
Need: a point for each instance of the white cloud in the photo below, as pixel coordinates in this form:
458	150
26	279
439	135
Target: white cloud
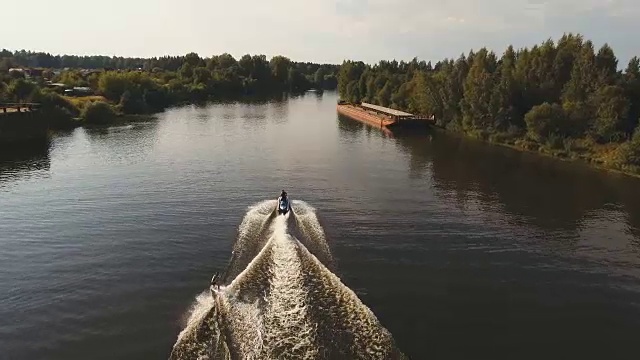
319	30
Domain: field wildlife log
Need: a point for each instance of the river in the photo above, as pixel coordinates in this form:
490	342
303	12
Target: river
461	249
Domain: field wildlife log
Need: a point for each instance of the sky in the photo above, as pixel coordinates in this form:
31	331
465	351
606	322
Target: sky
325	31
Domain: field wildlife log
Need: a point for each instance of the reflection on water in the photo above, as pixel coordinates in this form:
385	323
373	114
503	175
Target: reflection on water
514	251
565	208
356	128
547	193
24	161
127	144
231	114
350	127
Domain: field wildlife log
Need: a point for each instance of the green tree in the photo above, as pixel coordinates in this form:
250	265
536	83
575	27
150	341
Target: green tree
629	152
245	65
3	91
353	92
5	64
607	65
297	82
478	89
349	71
384	95
20	90
72	78
505	99
98	113
280	67
424	98
201	75
631	83
584	79
112	85
226	61
545	120
579	88
193	60
186	72
568	49
130	104
611	113
318	78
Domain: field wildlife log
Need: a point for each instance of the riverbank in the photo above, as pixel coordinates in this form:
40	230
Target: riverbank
604	157
63	113
117	112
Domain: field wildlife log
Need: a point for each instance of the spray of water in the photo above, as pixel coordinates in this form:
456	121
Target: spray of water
201	338
251	237
285	303
310	231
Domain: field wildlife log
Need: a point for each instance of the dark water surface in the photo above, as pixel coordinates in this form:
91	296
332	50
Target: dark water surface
462	250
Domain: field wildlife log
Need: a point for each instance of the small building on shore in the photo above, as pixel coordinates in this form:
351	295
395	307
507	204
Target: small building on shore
79	91
27	72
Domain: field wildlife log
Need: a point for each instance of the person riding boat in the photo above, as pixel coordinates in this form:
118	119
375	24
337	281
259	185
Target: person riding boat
283	203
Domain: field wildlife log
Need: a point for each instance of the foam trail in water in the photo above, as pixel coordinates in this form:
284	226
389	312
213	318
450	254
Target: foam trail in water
251	237
243	301
241	323
290	335
201	337
347	327
286	304
311	233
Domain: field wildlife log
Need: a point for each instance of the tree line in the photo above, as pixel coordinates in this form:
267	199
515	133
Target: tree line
564	98
8	59
138	86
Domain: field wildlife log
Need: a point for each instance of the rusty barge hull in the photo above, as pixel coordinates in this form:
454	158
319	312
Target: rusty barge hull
381	121
358	114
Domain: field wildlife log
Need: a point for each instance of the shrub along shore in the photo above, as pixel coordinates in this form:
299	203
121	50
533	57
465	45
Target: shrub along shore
132	86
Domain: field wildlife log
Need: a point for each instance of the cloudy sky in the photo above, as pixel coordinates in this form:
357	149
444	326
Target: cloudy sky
314	30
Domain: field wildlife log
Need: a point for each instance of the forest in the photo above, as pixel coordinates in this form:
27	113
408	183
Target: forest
142	86
560	98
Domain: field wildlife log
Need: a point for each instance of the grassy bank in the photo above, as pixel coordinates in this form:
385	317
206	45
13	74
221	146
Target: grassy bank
608	156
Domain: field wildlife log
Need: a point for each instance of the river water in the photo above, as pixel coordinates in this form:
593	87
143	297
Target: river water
460	249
